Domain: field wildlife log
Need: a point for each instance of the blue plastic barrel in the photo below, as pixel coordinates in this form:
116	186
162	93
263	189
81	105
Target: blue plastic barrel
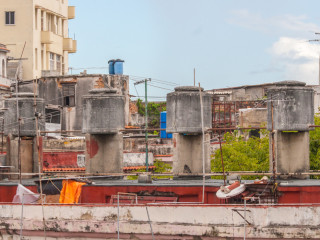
111	68
163	134
163	125
116	66
163	117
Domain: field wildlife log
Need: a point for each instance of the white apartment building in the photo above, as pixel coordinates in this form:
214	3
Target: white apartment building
42	27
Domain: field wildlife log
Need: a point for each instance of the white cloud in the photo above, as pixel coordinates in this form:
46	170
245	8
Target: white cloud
292	53
295	48
300	59
288	24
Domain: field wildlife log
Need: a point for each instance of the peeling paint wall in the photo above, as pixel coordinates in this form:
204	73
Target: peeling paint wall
168	221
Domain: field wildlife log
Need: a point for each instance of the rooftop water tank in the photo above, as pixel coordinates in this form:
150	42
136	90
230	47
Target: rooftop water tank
163	125
116	66
26	113
103	111
184	112
293	106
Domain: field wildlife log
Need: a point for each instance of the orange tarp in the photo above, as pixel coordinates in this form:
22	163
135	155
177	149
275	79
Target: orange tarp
70	192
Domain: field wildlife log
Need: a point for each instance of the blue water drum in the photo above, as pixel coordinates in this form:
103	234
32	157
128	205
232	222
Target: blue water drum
163	117
111	68
163	125
116	66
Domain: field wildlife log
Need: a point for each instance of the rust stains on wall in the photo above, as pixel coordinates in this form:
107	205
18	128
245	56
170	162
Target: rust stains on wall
92	147
99	83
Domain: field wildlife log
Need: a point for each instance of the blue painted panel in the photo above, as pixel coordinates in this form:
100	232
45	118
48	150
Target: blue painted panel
163	117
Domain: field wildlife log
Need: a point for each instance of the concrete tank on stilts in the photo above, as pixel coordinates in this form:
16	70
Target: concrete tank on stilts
103	117
290	114
27	112
184	121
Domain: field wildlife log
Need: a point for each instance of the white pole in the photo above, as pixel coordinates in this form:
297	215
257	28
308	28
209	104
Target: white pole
203	142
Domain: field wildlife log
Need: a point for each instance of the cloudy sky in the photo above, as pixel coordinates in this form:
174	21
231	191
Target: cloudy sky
229	43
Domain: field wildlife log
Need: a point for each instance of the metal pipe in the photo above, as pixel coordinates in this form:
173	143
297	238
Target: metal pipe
118	218
245	211
272	145
39	155
149	222
2	135
21	219
82	175
146	125
203	140
222	164
236	128
62	131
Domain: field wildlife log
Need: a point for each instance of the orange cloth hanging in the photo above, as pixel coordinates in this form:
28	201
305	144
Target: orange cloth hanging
70	192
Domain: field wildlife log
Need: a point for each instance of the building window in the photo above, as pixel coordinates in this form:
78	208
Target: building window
42	58
59	63
10	18
63	66
36	58
36	19
42	21
3	68
51	61
53	115
68	91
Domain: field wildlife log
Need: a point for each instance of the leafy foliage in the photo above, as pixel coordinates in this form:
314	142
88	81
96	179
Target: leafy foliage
161	167
315	146
241	155
154	110
253	155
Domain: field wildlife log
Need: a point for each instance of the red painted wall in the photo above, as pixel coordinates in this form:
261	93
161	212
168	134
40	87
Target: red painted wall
7	192
60	159
102	194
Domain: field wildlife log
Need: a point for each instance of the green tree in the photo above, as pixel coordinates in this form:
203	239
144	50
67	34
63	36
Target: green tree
315	146
160	167
154	110
241	155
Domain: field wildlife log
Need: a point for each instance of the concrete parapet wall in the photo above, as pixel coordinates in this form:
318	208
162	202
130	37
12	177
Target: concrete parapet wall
171	221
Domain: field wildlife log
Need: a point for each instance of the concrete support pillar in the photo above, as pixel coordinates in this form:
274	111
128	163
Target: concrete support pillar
291	153
187	153
36	153
45	21
26	155
104	153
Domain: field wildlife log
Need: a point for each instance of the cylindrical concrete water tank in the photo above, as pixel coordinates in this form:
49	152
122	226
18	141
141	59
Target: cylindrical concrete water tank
184	112
115	66
26	107
292	106
103	111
